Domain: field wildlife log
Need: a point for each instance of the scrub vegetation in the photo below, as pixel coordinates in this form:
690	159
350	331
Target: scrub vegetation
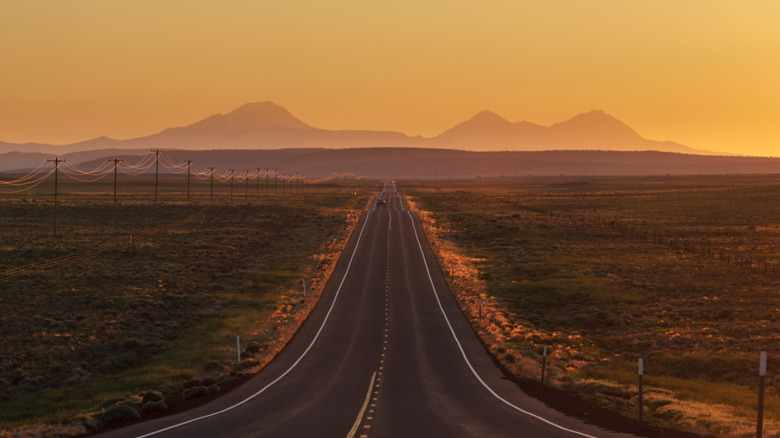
136	316
679	271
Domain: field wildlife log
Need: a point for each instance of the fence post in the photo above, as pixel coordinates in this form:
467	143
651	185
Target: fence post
544	363
641	372
761	375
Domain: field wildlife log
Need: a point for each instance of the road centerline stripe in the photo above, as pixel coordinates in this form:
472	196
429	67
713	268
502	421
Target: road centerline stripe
362	412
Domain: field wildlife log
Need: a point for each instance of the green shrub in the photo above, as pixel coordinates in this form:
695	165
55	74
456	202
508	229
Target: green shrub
212	389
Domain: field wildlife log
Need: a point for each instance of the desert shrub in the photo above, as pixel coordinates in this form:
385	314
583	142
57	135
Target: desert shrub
134	402
253	347
153	407
118	414
213	366
208	381
111	402
32	382
191	383
194	392
151	396
244	364
212	389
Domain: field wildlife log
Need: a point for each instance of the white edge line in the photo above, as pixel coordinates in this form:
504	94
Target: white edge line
362	412
463	353
305	352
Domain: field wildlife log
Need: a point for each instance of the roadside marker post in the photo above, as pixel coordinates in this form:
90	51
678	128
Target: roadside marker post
641	372
238	347
304	288
761	376
480	307
544	363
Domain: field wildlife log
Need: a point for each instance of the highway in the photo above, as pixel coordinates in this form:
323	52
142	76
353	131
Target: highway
385	353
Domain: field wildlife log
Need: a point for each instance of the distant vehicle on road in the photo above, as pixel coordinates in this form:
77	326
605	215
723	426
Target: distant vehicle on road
380	201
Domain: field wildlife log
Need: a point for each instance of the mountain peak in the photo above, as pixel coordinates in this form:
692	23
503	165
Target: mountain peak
597	127
486	116
254	115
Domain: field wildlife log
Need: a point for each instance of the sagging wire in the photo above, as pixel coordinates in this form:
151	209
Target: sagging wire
97	174
31	185
141	167
32	174
171	166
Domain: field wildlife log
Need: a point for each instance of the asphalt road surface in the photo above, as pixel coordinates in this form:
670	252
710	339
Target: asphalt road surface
385	353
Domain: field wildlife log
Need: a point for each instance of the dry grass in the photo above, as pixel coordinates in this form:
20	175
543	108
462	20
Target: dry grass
167	309
553	269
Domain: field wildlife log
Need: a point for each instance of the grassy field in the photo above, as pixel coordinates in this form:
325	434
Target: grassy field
680	271
117	316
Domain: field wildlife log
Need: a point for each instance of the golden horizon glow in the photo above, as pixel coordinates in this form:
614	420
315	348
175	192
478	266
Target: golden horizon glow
700	73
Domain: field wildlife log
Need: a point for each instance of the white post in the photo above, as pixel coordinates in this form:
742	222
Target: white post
761	377
762	364
304	288
238	347
641	372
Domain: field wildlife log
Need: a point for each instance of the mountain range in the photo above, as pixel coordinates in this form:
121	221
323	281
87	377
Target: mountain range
267	125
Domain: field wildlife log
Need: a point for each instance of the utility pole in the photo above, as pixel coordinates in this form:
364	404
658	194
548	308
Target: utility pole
156	171
212	184
189	164
276	173
246	185
232	172
257	181
116	162
56	162
267	175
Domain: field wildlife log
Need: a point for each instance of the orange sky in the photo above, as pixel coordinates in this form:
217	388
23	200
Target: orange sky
699	72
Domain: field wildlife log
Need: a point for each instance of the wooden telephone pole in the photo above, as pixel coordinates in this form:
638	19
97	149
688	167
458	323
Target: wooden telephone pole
116	162
56	162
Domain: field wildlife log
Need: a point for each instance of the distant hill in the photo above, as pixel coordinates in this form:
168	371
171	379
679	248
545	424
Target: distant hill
400	163
267	125
594	130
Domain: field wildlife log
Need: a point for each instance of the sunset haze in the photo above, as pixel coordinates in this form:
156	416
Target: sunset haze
700	73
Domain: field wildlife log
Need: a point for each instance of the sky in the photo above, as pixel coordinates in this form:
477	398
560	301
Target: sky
704	73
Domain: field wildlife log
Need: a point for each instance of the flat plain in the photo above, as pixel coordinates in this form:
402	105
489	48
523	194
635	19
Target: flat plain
679	271
102	316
